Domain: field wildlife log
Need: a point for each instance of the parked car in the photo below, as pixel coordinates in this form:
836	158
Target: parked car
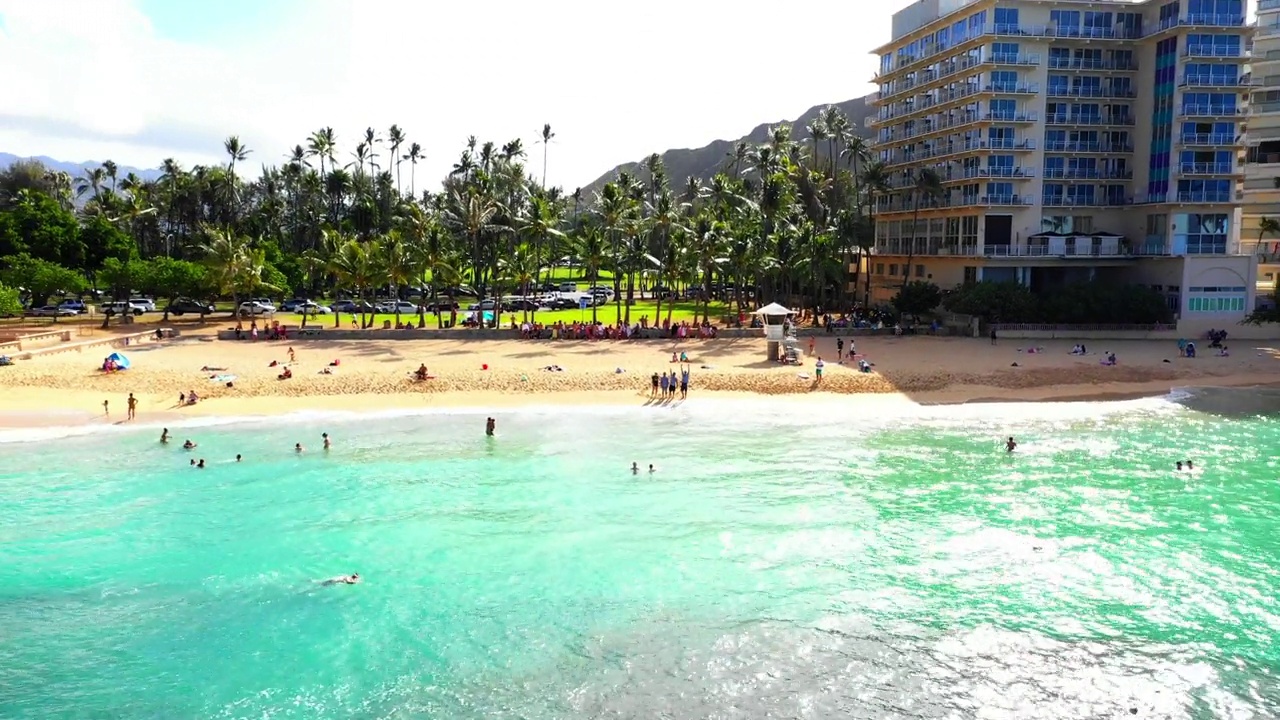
568	287
121	307
563	303
265	301
292	304
53	311
484	305
147	304
253	307
518	304
351	306
600	289
182	306
401	306
311	308
661	291
77	305
442	305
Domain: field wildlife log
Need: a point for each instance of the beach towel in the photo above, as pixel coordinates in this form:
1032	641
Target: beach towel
222	378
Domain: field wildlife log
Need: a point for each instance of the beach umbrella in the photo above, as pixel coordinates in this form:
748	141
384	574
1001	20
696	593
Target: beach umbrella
120	360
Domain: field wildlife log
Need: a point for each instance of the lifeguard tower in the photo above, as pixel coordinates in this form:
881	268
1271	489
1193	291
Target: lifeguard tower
774	317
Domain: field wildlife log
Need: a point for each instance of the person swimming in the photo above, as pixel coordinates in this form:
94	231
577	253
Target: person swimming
635	468
1179	468
188	445
237	457
297	447
326	440
200	464
164	436
1010	445
351	579
652	469
1190	466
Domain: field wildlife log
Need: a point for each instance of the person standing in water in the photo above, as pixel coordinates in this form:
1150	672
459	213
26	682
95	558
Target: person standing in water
164	436
297	447
326	440
489	426
635	468
1010	444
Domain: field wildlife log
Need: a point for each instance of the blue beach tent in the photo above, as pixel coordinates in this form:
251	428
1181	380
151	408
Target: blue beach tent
121	361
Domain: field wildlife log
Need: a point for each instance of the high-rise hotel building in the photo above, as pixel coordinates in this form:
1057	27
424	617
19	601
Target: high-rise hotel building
1075	140
1262	168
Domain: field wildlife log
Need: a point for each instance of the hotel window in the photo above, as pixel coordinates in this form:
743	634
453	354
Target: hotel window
970	274
919	271
879	268
1006	19
893	269
1216	299
1067	22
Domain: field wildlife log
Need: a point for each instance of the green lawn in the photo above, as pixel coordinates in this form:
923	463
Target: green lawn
606	314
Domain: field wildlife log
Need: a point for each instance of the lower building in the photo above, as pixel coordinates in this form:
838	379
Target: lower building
1192	258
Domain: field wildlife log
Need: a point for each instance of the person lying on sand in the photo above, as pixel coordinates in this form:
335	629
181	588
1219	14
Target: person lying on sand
351	579
206	368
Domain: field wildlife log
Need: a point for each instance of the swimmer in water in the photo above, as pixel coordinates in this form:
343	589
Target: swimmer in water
237	457
489	426
326	440
164	436
1179	468
1190	466
1010	445
193	462
351	579
297	447
200	464
651	469
188	445
635	469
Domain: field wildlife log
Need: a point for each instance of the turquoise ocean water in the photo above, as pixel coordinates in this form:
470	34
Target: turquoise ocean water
847	561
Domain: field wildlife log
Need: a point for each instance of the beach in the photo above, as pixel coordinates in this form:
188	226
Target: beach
69	387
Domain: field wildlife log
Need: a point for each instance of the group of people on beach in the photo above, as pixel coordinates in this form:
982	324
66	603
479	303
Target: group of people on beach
666	384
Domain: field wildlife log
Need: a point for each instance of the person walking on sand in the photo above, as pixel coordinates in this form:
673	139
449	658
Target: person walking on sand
817	369
993	336
840	350
291	355
813	343
106	408
133	407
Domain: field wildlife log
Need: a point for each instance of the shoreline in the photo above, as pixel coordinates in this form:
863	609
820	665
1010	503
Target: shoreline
34	409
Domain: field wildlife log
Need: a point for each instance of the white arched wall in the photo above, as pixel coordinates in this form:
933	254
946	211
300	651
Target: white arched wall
1216	291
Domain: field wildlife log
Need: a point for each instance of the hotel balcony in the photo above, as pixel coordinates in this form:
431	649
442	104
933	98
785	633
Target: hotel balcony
1264	5
961	148
1074	63
927	127
1190	198
1083	247
1011	88
1092	92
1087	174
1067	119
1012	59
1210	140
1215	52
1217	112
1210	81
1270	29
1086	147
962	201
1209	169
1084	201
970	174
1197	20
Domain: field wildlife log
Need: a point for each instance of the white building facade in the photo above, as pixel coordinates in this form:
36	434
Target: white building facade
1076	140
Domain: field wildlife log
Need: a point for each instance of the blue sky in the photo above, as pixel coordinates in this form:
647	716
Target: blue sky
137	81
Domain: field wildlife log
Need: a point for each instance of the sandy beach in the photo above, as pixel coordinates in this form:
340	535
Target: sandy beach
68	387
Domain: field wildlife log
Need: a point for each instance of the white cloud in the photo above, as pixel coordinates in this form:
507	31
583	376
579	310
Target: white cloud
93	79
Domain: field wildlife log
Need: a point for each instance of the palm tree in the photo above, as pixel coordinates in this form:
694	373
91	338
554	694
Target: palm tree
356	267
875	182
546	143
590	248
371	140
540	223
413	156
111	169
236	151
91	180
395	137
227	257
927	187
397	264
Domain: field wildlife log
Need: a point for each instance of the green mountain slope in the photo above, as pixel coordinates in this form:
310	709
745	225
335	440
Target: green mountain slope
704	162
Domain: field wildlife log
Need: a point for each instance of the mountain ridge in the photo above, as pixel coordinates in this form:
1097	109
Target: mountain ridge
75	169
706	161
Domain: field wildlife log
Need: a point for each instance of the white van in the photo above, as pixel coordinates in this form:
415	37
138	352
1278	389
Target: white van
567	287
